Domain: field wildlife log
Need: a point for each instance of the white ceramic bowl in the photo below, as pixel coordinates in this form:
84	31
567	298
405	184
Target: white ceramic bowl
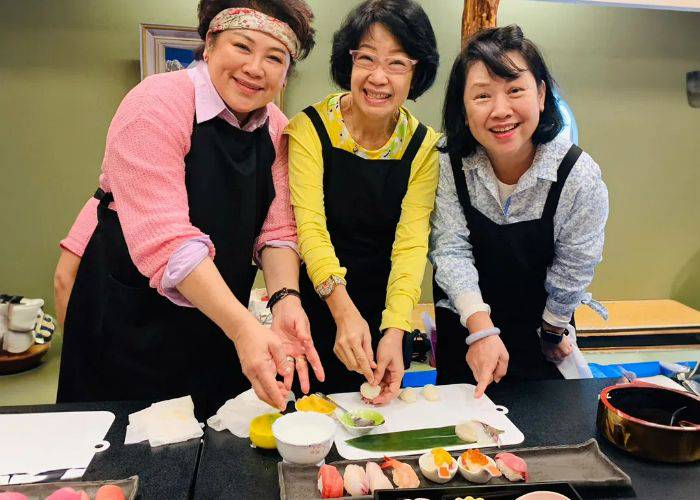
304	437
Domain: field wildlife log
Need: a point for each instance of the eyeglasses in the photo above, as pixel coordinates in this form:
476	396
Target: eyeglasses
395	65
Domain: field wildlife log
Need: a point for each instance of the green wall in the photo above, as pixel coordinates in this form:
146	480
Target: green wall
65	65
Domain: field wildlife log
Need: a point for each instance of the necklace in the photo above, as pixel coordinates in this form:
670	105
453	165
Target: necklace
352	130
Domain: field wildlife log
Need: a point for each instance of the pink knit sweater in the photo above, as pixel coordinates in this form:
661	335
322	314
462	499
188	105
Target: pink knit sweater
144	168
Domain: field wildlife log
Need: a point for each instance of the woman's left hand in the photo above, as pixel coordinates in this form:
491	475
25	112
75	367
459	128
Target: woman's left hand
389	371
290	322
557	352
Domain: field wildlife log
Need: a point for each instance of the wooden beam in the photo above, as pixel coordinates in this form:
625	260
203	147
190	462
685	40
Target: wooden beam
478	14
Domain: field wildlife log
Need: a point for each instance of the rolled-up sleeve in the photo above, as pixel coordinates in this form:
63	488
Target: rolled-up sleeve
450	250
578	248
82	229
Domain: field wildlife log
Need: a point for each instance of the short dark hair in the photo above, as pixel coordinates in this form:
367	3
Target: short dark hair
490	47
404	19
296	13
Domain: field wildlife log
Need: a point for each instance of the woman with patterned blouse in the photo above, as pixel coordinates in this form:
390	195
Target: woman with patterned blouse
519	221
363	173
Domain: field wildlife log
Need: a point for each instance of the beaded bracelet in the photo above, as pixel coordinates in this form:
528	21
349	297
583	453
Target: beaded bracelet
280	294
482	334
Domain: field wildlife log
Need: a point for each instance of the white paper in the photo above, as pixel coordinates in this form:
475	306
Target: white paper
165	422
237	413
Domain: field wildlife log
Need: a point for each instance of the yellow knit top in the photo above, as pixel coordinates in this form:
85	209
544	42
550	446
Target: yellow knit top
409	252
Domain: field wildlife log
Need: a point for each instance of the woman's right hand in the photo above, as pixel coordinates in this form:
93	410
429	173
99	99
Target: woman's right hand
263	357
488	360
353	341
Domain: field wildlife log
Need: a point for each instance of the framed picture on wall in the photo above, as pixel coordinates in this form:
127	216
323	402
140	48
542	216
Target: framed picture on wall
170	48
167	48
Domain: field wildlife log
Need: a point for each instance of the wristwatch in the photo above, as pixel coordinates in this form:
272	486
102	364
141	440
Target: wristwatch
326	287
551	336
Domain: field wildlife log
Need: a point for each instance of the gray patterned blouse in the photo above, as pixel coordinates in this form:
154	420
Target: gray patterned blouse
579	225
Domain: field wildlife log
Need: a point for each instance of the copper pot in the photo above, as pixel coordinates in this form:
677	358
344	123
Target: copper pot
651	422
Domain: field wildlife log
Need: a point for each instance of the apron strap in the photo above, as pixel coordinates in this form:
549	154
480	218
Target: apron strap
319	126
550	206
104	197
416	141
460	181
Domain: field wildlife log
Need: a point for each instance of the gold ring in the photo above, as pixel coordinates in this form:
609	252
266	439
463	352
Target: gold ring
290	359
300	359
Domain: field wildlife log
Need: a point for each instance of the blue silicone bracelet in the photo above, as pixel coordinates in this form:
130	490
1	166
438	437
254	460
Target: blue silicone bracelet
482	334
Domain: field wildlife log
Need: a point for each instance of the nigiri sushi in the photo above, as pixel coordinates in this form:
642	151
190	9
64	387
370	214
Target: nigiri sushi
402	474
474	431
68	494
431	393
110	492
437	465
330	482
355	480
408	395
377	479
369	392
477	467
512	466
12	496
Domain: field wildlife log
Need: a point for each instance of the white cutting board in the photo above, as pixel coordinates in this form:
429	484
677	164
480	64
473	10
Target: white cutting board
456	405
32	443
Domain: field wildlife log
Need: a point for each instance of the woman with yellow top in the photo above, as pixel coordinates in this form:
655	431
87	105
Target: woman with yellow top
363	173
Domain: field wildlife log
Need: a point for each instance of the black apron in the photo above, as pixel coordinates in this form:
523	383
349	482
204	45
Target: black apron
122	339
363	205
512	261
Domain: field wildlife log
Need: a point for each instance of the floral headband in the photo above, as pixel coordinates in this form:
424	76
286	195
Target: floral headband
249	19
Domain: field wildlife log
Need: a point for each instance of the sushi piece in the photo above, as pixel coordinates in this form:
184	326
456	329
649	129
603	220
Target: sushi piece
477	467
68	494
512	466
475	431
402	474
370	392
330	482
110	492
431	393
355	480
377	479
408	395
437	465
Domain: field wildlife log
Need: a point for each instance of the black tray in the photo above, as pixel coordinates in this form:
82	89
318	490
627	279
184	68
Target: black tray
500	492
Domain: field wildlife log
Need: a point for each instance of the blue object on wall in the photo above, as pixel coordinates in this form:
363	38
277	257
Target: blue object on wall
570	130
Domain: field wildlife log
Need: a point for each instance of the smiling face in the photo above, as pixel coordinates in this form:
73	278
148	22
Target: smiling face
503	114
377	93
248	68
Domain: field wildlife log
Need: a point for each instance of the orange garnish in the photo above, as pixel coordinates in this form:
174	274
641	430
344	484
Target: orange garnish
441	457
476	457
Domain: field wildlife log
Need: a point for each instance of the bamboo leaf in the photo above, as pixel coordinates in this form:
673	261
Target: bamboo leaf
417	439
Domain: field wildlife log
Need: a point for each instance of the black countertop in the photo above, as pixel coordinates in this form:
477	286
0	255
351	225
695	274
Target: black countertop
164	473
549	413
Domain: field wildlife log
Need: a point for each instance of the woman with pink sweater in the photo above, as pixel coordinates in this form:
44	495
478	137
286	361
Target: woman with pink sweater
193	188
